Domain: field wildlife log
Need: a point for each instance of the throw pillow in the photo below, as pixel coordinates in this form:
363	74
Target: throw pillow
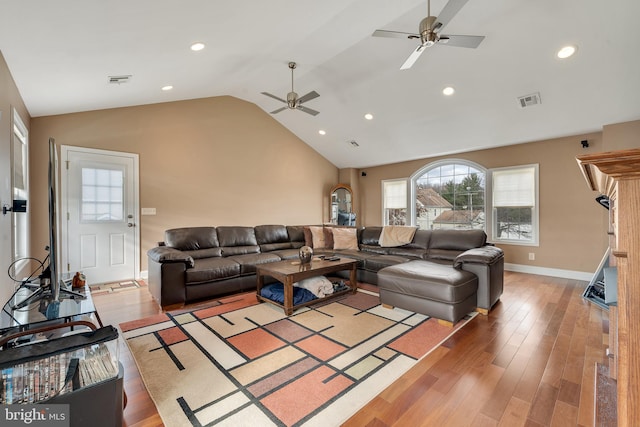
317	234
345	238
308	238
328	237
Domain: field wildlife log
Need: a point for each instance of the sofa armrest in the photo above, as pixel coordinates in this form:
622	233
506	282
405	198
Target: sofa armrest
487	263
483	255
164	254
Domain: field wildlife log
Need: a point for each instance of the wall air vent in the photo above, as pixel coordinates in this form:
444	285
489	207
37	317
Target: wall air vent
529	100
118	80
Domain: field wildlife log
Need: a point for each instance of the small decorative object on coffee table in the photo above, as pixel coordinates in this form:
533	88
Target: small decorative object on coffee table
306	253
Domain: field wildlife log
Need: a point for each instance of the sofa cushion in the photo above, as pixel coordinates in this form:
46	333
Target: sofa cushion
407	251
204	253
374	249
376	263
237	240
448	244
266	234
191	238
248	262
212	269
424	279
296	235
272	237
371	236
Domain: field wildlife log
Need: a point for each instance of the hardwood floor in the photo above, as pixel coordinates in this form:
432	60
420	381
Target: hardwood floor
530	362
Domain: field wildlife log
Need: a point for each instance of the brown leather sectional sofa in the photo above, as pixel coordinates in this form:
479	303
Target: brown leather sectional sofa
195	263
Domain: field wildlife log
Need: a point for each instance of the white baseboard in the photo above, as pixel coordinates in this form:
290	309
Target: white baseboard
144	274
544	271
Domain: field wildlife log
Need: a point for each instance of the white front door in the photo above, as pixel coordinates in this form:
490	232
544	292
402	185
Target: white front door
99	192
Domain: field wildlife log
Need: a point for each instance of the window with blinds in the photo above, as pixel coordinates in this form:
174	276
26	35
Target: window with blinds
515	204
394	202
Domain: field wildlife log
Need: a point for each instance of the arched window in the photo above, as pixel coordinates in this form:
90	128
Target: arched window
449	194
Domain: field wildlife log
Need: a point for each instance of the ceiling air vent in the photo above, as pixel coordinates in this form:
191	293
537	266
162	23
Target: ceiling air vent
118	80
353	143
529	100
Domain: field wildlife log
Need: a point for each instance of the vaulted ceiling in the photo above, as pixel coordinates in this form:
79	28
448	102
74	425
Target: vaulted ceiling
61	54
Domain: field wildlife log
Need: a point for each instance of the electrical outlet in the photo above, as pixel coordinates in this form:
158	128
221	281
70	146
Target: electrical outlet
532	256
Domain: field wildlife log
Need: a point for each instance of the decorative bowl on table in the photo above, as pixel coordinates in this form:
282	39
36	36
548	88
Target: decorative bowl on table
305	254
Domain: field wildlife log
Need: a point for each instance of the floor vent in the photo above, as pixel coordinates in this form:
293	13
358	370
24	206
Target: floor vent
117	80
529	100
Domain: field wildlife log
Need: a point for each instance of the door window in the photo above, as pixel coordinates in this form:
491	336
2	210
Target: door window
102	195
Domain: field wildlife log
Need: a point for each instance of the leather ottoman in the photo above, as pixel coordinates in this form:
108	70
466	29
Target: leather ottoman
432	289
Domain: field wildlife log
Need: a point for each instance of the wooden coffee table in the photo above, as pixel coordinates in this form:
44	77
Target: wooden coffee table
289	272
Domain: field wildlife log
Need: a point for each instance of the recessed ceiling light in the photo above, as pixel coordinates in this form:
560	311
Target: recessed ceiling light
321	132
197	46
167	87
448	91
368	116
566	52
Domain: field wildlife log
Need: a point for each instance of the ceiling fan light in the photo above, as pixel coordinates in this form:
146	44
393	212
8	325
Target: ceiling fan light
566	51
448	91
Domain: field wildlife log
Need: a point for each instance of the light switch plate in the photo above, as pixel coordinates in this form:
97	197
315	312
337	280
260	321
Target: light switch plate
148	211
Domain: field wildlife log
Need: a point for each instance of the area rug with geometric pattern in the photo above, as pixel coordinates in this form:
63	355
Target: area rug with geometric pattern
238	362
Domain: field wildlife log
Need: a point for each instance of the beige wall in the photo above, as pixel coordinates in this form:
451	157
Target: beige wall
621	136
572	225
9	99
211	161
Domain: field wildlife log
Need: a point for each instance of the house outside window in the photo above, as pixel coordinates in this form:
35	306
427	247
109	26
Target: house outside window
515	204
449	195
394	202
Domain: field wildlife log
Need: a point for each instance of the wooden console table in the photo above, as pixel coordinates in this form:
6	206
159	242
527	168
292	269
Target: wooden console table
289	272
616	174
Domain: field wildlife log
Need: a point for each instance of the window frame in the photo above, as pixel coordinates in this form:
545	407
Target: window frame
19	237
412	183
535	214
383	199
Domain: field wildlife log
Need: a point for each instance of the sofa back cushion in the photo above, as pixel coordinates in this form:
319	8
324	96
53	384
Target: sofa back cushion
370	236
236	240
191	238
296	235
272	237
448	244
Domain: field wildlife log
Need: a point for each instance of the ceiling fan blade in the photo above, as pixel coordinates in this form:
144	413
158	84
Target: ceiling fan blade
413	57
308	97
449	11
308	110
461	41
395	34
274	97
278	110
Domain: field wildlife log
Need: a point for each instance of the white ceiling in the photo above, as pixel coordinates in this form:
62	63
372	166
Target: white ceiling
61	53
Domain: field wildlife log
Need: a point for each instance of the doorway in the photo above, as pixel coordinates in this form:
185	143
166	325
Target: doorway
100	199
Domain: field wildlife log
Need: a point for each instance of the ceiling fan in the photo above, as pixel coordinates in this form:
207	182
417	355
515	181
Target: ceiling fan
293	102
429	30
